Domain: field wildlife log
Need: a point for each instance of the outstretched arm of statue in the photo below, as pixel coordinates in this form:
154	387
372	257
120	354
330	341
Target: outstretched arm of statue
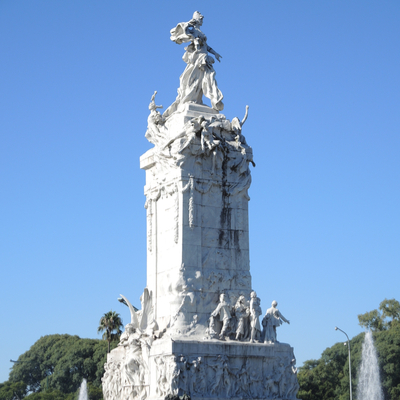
153	105
216	311
212	51
245	116
284	319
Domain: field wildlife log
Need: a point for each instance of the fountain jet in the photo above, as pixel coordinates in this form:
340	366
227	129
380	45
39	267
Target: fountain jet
83	393
369	383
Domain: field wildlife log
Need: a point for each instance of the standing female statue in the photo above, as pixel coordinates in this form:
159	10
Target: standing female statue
242	312
198	78
272	319
255	312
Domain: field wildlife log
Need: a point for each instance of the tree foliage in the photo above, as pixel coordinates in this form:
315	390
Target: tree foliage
390	309
94	393
12	390
328	377
110	324
61	362
387	343
378	320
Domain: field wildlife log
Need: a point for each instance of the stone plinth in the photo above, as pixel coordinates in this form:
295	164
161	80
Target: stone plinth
224	370
197	222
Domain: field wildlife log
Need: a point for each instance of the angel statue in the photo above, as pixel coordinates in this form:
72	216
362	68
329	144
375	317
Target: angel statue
154	121
198	78
137	340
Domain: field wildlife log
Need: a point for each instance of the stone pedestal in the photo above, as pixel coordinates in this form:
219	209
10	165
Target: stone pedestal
197	223
222	370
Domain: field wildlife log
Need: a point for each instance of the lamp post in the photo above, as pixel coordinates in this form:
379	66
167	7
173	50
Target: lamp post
348	344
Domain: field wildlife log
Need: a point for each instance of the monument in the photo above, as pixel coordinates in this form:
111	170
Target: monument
198	332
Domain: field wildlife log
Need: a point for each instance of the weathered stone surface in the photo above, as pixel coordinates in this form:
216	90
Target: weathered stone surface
224	370
196	223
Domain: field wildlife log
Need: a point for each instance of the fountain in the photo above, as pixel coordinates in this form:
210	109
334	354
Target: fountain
369	383
83	393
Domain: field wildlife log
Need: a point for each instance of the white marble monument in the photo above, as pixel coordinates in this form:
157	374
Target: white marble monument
198	333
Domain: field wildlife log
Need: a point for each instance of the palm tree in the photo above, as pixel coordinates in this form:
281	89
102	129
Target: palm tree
111	324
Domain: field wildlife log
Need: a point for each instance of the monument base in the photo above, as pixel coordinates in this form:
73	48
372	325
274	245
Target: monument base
215	369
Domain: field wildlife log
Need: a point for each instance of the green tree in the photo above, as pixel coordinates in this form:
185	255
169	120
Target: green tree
372	320
94	393
323	379
377	320
110	324
52	395
388	347
62	361
12	390
328	377
390	309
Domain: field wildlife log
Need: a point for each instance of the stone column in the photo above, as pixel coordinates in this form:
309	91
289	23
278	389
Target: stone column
197	219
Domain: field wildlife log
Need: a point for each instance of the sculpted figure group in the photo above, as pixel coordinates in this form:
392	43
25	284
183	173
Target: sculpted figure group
127	371
210	138
201	138
241	322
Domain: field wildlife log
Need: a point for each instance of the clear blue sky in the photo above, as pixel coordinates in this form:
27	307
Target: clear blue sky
322	80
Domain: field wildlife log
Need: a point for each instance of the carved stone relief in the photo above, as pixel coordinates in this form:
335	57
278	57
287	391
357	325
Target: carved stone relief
221	376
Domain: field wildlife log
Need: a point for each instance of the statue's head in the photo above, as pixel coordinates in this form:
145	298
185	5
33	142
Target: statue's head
130	328
198	18
274	303
253	295
222	297
236	125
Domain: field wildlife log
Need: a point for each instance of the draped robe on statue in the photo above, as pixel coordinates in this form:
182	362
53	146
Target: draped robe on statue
198	78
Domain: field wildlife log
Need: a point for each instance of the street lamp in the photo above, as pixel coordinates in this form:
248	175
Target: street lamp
348	344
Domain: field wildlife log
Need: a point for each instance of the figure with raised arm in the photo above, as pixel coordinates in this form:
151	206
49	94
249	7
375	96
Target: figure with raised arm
223	312
154	121
198	78
272	319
